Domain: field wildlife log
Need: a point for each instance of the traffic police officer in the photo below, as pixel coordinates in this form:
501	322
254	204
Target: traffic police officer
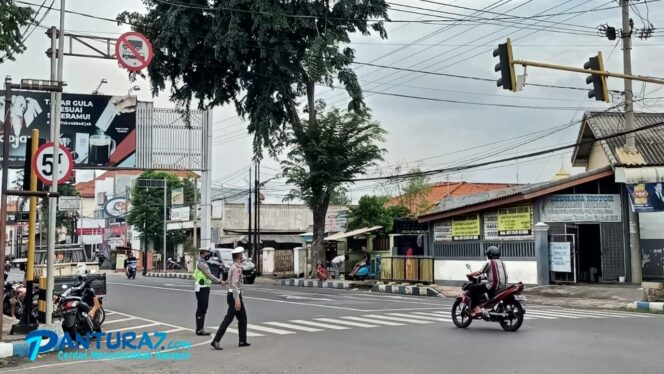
235	303
204	279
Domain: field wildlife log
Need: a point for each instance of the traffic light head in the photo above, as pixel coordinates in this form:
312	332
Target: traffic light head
505	66
599	91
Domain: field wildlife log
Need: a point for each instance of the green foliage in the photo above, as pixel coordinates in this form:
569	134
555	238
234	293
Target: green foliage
339	196
256	55
147	206
371	211
341	146
12	18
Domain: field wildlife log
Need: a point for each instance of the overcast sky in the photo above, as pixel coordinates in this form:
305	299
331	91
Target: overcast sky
424	133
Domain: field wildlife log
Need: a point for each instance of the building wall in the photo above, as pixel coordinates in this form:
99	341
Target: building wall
597	157
285	217
88	206
455	270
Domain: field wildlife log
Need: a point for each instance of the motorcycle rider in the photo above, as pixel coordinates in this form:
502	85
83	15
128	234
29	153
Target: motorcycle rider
496	277
363	262
203	278
131	262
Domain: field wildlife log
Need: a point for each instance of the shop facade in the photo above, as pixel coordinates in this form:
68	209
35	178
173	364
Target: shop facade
586	232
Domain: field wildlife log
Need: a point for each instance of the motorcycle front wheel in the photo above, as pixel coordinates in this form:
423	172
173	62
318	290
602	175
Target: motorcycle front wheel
515	312
461	314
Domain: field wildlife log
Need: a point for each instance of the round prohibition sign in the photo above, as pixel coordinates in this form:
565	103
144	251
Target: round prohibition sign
43	161
133	51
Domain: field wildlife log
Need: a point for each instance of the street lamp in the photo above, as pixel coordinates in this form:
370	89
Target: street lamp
135	88
96	91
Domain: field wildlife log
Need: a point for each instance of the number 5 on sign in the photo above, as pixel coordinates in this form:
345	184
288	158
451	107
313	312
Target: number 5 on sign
44	160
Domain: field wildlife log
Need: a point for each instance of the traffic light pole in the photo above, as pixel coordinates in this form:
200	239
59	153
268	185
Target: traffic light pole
588	71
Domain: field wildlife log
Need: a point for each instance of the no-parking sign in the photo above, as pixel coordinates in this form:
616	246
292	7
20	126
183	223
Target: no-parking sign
133	51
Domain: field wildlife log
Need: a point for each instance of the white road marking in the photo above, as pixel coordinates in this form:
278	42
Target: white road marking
132	327
270	330
236	332
317	324
291	326
349	323
552	314
119	320
369	320
431	318
407	320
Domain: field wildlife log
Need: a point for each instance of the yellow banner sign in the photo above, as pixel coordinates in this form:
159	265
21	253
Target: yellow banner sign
466	228
515	221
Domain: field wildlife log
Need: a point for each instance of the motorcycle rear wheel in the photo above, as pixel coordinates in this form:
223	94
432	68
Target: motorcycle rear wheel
461	314
512	307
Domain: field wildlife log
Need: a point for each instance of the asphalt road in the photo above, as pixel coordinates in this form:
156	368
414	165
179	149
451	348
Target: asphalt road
296	330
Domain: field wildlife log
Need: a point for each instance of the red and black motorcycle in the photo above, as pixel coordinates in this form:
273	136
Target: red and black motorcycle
507	306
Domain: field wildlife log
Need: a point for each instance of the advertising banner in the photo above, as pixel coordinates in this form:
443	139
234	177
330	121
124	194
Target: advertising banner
177	196
91	231
99	130
442	231
581	208
180	214
490	223
466	228
515	221
646	197
560	258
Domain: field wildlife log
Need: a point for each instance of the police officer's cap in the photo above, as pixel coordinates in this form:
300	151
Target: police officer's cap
238	250
204	249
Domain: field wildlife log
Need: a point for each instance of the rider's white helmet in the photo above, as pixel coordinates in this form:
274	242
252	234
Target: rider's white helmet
81	269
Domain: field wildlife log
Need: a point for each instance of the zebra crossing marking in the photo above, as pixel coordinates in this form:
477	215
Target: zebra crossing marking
270	330
398	319
318	324
236	332
369	320
292	327
349	323
426	318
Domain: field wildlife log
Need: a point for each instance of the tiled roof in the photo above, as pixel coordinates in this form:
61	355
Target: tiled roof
526	191
649	143
443	190
86	189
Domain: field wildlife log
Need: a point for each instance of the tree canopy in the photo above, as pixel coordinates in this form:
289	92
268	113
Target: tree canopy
371	211
147	205
12	18
260	55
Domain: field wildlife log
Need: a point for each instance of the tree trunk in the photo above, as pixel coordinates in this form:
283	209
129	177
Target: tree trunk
317	249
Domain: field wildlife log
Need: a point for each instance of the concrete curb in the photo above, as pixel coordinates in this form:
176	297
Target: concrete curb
646	306
20	348
405	290
314	284
171	275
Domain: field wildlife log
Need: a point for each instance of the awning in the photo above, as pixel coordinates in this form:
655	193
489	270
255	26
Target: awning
231	239
342	235
647	174
281	239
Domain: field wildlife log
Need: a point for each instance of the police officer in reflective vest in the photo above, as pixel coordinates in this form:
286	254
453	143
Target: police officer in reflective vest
204	279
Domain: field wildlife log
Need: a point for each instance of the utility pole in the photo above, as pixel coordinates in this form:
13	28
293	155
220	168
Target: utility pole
257	250
55	138
163	260
250	241
196	212
630	143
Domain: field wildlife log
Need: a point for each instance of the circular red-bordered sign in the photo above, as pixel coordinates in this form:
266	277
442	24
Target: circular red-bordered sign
42	164
133	51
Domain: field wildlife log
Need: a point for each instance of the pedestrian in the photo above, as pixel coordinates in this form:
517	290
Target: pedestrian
204	279
235	303
321	272
336	265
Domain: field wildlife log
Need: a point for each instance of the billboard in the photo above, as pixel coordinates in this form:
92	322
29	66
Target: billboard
466	227
646	197
99	130
515	221
581	208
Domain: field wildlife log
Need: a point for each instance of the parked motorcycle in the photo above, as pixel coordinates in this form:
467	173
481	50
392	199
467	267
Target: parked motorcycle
370	270
173	265
82	311
505	307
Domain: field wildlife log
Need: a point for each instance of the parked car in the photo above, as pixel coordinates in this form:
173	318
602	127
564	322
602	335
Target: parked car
222	260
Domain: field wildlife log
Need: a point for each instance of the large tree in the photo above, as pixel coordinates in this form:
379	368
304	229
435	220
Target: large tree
147	206
341	146
12	18
371	211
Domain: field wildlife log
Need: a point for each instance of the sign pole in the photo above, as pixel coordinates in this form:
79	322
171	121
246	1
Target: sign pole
163	260
5	177
52	206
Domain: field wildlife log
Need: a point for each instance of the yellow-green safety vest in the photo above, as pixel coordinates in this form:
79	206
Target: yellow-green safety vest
198	275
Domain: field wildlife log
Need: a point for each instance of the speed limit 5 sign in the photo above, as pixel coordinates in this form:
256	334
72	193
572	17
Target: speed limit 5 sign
44	159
